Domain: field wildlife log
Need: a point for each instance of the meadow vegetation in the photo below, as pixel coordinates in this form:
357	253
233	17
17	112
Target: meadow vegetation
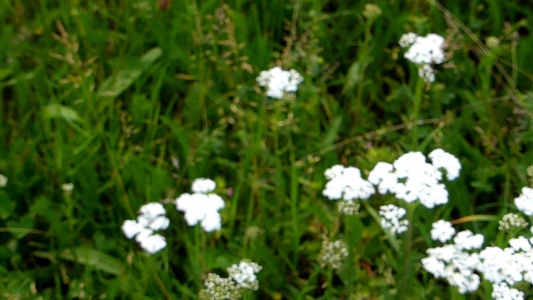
131	101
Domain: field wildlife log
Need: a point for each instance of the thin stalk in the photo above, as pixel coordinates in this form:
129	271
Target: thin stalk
416	112
411	207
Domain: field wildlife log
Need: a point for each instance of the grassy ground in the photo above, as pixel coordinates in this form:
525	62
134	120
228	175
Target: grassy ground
131	102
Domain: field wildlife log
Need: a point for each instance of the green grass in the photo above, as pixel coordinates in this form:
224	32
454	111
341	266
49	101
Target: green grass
131	104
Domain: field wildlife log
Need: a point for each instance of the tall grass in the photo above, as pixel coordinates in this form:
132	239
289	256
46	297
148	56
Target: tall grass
131	103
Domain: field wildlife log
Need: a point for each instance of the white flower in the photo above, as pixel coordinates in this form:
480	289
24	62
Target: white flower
524	202
434	266
382	175
152	218
347	184
467	240
203	185
511	220
244	274
153	243
442	231
426	50
67	187
333	254
501	291
131	228
3	181
407	39
450	163
520	243
201	207
426	72
278	81
152	209
390	218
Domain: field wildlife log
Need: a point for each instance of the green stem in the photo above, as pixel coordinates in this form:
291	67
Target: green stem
411	207
416	112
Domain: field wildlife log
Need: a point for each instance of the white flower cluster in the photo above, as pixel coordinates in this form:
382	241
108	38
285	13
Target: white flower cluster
524	202
218	288
442	231
244	275
424	51
202	206
333	254
512	220
462	267
501	291
67	187
454	264
3	181
241	276
279	81
347	184
348	207
390	218
152	218
411	178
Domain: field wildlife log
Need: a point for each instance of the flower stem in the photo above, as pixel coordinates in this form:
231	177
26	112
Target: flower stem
416	112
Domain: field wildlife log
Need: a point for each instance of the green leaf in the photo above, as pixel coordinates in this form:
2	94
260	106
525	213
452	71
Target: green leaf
87	256
123	79
55	110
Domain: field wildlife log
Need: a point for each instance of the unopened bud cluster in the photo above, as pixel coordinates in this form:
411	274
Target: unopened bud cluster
348	207
512	220
333	254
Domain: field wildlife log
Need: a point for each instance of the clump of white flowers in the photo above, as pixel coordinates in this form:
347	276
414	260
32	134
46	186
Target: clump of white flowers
3	181
391	216
442	231
454	264
464	263
501	291
424	51
333	254
219	288
152	218
202	206
411	178
347	184
512	220
524	202
348	207
67	187
241	276
279	81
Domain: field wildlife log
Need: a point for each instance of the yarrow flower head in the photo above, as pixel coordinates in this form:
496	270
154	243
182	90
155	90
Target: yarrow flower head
348	207
333	254
453	263
243	274
67	187
512	220
524	202
391	216
279	81
407	39
501	291
424	51
152	218
218	288
347	184
202	206
411	178
426	72
442	231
